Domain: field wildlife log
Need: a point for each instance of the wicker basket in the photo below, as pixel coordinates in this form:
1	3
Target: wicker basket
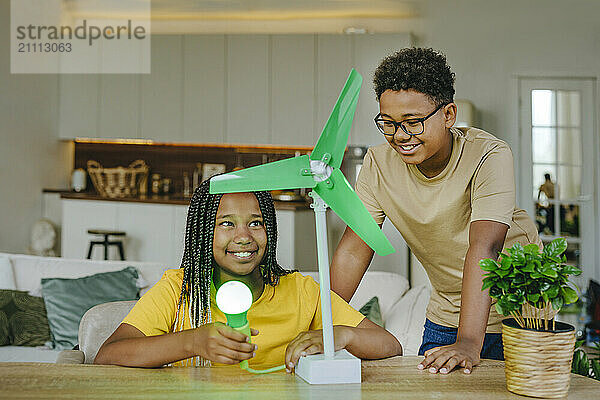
119	182
537	363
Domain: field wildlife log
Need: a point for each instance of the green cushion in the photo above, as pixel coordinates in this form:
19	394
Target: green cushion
68	299
23	320
372	311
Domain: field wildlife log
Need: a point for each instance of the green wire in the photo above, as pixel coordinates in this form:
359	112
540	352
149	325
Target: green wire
264	371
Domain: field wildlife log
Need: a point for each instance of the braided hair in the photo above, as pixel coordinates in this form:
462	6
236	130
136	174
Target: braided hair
198	261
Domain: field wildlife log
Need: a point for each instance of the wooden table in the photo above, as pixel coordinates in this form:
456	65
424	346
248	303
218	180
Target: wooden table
395	378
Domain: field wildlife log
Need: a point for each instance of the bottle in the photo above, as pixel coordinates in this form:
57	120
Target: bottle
186	185
78	180
155	184
166	185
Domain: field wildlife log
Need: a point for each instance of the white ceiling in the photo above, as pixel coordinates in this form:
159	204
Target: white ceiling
277	9
255	16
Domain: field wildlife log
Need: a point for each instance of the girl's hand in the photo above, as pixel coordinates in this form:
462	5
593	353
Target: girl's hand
220	343
311	342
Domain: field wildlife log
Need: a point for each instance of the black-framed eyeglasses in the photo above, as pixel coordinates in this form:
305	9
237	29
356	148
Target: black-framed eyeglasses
412	126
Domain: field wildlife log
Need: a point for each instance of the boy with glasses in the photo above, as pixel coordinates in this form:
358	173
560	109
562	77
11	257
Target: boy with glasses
450	193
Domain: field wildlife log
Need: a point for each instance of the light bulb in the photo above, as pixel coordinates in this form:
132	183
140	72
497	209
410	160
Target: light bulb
234	297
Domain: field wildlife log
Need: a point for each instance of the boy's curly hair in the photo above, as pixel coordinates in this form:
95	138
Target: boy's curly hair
420	69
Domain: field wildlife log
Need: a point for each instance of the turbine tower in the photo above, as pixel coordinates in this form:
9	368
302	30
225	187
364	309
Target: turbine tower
321	172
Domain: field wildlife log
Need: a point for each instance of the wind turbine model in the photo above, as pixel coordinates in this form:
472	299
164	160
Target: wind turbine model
320	171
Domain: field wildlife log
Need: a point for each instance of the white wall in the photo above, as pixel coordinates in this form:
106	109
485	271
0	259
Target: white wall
31	157
489	44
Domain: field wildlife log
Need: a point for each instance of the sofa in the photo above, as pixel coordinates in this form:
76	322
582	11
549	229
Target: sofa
402	308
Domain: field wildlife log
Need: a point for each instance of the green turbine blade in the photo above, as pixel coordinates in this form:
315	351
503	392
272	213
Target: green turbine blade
338	194
291	173
334	136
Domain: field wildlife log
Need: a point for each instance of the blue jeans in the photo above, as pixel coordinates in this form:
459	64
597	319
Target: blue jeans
437	335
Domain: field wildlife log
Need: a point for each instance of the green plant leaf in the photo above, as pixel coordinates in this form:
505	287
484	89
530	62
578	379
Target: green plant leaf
570	270
556	247
502	284
518	281
545	297
557	302
580	363
552	292
487	264
505	263
596	369
487	283
532	248
530	267
513	298
544	285
495	292
500	310
550	272
569	295
536	275
502	272
533	298
519	258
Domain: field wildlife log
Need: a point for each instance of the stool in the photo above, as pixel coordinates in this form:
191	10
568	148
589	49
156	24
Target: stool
106	242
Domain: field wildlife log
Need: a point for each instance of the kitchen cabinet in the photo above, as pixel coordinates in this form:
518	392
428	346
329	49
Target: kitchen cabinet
203	82
293	89
151	229
296	245
334	62
156	232
162	91
247	89
78	105
119	106
252	89
77	218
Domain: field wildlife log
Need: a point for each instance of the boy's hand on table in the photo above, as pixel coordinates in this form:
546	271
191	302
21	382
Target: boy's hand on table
444	359
222	344
311	342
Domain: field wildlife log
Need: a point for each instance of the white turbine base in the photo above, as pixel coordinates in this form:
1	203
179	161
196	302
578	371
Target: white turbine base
317	370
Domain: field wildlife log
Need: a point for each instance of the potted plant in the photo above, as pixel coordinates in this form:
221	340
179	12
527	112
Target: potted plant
531	286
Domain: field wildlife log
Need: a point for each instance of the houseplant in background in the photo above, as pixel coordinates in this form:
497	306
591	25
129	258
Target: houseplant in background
531	286
586	364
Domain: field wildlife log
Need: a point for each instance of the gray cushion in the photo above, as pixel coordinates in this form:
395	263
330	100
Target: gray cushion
70	357
98	323
68	299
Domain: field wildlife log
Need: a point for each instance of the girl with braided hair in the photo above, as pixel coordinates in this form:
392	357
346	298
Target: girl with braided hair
233	237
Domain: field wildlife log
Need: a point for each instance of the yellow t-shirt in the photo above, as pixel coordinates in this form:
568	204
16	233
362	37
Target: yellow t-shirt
433	214
280	313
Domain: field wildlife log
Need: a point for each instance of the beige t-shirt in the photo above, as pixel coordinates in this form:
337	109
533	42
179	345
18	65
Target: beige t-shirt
434	214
